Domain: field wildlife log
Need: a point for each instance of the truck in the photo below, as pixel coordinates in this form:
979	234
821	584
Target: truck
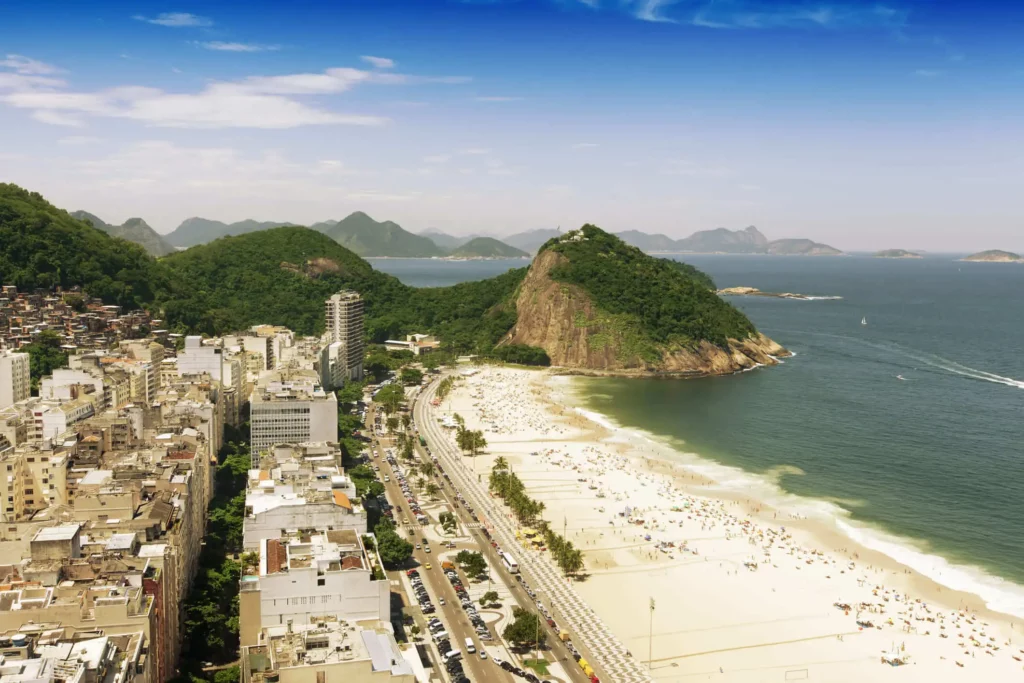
446	565
564	636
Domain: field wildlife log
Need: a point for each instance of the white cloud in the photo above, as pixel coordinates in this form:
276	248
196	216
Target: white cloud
437	159
79	140
652	10
584	145
220	46
27	66
497	98
271	102
175	20
378	62
475	150
928	73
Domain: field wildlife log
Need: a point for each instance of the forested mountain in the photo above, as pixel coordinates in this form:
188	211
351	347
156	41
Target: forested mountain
801	247
134	230
367	237
597	304
444	240
43	246
193	231
720	240
487	247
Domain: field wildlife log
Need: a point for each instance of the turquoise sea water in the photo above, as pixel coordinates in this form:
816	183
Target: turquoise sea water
936	458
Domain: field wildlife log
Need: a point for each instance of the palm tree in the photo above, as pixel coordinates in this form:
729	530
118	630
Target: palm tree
432	490
427	468
406	420
500	463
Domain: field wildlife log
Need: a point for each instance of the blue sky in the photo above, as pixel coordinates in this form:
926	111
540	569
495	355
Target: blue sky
862	124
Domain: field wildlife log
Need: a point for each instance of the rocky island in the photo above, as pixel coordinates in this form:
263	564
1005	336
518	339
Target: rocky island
897	253
598	306
754	291
994	256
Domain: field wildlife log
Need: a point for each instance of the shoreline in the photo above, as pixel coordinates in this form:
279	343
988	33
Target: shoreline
781	546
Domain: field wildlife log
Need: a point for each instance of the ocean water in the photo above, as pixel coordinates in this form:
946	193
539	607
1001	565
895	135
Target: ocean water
425	272
928	468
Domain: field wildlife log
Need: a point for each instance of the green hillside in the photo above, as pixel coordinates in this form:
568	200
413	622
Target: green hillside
134	230
672	304
487	247
194	231
283	275
43	246
367	237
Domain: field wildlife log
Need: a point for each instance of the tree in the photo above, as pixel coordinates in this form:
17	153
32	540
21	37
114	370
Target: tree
45	356
406	420
432	490
391	423
524	630
411	376
489	598
390	398
421	483
427	468
449	523
393	549
500	463
473	563
408	452
375	489
349	395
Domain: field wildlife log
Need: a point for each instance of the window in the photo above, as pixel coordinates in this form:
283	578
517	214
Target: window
321	582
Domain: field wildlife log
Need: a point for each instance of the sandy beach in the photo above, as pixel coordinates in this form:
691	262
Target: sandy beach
743	591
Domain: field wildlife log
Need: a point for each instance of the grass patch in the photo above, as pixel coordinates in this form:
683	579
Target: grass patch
540	666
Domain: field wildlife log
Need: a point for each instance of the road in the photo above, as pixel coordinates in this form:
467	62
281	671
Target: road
589	633
451	613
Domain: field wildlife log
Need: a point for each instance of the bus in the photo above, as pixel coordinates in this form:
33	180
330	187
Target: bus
510	563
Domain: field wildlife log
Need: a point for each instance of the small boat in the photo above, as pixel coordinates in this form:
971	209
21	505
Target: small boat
901	377
864	321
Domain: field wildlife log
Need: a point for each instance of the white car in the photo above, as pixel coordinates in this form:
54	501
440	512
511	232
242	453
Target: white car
483	654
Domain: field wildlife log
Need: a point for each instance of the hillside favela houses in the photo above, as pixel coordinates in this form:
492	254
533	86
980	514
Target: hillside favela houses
110	466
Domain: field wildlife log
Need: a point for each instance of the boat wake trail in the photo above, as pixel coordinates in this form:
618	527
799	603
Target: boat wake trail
931	360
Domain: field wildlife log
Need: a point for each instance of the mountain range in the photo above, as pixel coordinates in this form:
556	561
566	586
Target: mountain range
134	230
371	238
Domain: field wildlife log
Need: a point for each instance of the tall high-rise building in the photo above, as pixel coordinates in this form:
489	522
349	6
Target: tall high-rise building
15	384
344	313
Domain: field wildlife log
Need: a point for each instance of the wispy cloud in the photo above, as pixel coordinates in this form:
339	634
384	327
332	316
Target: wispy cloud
378	62
237	47
272	102
584	145
475	150
27	66
79	140
928	73
437	159
176	20
497	98
653	10
765	14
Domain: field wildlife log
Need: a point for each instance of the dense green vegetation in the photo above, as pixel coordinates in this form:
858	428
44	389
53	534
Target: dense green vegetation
394	550
45	356
669	305
525	630
134	230
521	354
211	609
367	237
43	246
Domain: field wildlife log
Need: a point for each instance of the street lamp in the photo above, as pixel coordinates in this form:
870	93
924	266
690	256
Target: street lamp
650	641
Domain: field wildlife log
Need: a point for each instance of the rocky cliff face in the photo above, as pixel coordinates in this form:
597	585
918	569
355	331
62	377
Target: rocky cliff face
562	320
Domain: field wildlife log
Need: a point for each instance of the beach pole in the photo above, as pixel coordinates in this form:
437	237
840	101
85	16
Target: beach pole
650	641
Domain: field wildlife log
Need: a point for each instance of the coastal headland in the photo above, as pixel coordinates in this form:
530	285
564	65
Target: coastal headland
744	590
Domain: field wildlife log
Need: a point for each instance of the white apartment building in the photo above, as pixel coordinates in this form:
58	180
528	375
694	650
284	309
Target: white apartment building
344	314
196	358
304	577
15	384
333	370
291	410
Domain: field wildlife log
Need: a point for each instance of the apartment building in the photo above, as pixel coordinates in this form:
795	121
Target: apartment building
290	408
344	317
329	651
15	384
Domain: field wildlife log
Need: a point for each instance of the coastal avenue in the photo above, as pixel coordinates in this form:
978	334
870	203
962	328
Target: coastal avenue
591	636
437	584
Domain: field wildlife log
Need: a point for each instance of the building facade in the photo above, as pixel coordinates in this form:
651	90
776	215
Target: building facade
344	314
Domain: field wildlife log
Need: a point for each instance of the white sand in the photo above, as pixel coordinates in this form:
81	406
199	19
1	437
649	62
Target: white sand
737	598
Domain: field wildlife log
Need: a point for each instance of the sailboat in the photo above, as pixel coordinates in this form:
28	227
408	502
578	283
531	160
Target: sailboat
864	321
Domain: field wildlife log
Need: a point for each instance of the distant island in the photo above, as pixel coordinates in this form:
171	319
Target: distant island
994	256
487	248
754	291
897	253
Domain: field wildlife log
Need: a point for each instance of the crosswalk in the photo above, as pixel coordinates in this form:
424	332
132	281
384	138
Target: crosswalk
605	652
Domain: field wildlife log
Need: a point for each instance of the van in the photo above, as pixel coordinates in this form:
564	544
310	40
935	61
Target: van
454	654
440	635
470	647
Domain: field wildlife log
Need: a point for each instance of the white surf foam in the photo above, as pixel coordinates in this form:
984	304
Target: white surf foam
998	594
